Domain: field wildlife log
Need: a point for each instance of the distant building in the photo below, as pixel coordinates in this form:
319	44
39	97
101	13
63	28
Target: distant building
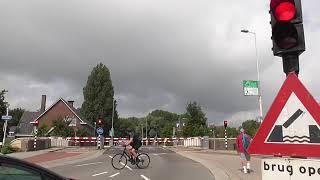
60	109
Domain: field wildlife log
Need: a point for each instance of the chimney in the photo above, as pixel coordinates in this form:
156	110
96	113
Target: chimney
70	103
43	103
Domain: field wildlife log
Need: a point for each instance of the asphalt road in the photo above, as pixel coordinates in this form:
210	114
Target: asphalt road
165	165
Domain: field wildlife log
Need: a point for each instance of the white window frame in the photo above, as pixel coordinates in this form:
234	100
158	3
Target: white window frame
73	121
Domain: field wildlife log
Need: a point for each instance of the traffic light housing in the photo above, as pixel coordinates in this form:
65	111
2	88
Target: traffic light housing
225	123
36	123
287	27
99	122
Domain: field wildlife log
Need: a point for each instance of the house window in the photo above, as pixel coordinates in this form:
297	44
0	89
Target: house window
71	120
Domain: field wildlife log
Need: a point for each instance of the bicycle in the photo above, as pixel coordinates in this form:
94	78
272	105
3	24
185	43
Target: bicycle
120	160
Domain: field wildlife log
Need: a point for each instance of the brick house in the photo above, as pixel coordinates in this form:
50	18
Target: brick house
60	109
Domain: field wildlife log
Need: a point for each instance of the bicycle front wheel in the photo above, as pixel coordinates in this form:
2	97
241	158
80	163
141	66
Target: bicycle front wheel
119	161
143	160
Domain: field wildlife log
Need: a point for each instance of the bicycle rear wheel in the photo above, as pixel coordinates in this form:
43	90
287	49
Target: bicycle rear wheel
119	161
143	160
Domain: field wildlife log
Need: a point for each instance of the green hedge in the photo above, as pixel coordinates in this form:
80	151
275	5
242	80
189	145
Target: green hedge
7	149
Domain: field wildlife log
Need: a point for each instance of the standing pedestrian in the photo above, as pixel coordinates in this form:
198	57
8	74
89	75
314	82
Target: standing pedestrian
243	142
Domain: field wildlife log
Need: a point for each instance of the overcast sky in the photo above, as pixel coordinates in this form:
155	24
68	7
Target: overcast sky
161	53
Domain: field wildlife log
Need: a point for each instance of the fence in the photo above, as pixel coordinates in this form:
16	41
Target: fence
219	144
201	142
59	142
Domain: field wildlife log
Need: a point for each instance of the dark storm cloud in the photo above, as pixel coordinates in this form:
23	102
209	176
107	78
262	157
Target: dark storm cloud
161	54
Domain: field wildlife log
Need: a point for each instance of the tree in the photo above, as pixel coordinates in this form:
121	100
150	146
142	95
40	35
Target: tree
43	130
98	97
16	115
231	132
82	132
196	121
62	128
125	125
251	127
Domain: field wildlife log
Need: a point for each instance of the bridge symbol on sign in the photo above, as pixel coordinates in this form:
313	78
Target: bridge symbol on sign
297	129
292	125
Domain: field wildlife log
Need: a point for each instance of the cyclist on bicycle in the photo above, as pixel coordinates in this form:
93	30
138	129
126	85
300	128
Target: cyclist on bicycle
133	144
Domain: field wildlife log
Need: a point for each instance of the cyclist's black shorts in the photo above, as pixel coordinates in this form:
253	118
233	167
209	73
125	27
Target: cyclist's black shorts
135	146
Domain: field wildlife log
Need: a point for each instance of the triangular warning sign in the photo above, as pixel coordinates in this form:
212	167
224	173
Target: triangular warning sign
291	126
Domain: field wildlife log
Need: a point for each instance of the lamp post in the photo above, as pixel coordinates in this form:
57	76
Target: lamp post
258	73
112	129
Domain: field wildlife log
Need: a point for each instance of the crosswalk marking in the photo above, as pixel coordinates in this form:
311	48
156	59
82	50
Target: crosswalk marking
88	164
126	166
144	177
114	174
100	174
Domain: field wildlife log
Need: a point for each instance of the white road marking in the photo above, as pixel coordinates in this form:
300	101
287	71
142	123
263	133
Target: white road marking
110	157
100	174
126	166
88	164
158	154
144	177
114	174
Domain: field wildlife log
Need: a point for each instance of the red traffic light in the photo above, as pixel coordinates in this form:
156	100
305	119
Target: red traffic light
225	123
100	122
284	11
36	123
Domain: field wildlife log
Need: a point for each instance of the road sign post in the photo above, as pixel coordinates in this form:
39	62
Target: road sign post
6	118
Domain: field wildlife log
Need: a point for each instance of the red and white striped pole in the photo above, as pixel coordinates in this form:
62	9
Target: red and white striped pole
36	123
225	134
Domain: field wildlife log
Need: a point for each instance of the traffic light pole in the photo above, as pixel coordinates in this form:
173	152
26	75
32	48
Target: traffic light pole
290	63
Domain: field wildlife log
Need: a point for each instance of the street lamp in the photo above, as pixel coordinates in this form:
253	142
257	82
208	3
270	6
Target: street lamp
113	102
258	73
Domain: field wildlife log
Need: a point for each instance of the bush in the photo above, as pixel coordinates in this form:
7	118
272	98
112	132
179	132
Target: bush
7	149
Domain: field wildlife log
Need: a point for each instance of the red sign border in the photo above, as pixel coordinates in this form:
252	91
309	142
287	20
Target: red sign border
258	146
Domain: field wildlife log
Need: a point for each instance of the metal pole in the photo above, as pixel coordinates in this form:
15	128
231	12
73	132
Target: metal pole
214	140
95	128
146	130
5	128
112	116
258	74
142	133
112	130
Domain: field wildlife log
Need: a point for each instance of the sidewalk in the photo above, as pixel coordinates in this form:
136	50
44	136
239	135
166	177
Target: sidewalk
224	165
24	155
53	157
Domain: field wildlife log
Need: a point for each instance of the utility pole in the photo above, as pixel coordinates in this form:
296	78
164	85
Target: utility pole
5	127
146	130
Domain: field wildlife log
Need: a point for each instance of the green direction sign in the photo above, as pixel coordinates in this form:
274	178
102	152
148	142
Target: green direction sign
250	88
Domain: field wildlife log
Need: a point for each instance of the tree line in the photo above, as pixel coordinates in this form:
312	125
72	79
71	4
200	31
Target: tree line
99	103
